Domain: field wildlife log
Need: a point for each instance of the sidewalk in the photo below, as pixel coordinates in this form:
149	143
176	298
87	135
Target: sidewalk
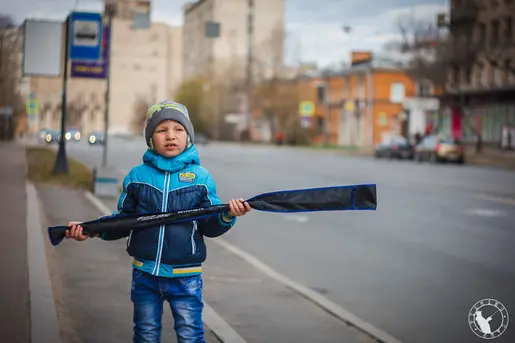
14	281
492	157
91	279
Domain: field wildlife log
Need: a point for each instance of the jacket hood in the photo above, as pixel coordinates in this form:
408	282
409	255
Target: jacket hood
172	164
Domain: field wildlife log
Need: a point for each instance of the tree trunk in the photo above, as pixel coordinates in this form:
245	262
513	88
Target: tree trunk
477	133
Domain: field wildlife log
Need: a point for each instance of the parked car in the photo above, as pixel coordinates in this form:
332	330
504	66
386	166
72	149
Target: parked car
96	137
435	148
72	134
394	146
201	139
52	136
42	134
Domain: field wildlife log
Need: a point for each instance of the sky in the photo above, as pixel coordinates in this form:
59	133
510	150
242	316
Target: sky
314	27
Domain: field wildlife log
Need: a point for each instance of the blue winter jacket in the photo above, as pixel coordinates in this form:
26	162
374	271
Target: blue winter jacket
163	184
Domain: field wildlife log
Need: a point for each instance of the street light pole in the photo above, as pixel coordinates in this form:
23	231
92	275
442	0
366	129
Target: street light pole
61	163
109	11
250	26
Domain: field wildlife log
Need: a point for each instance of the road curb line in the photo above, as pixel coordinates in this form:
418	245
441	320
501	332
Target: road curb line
44	325
316	298
213	320
220	327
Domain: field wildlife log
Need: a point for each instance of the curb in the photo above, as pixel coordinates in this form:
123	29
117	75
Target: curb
222	330
44	325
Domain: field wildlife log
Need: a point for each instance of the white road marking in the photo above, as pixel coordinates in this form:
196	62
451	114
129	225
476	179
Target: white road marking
502	200
485	212
296	218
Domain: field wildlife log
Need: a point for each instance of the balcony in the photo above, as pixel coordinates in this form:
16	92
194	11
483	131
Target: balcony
465	14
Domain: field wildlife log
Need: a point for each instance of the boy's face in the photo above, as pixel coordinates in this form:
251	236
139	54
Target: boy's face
169	138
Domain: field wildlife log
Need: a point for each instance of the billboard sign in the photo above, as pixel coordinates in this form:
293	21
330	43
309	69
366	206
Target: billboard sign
42	48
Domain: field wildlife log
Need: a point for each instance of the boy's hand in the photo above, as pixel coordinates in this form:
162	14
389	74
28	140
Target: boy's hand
75	232
238	207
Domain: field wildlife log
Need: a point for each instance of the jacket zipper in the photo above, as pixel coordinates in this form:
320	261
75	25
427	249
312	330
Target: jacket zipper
193	245
164	206
129	240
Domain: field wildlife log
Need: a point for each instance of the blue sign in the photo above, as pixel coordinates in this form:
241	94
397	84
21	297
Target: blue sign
305	122
85	36
32	107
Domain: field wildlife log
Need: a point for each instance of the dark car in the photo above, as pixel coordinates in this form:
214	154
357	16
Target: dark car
52	136
96	137
435	148
201	139
72	134
394	147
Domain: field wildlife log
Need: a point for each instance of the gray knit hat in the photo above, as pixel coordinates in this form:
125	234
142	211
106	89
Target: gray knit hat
167	110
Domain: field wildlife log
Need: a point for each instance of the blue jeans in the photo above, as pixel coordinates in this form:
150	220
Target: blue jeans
184	294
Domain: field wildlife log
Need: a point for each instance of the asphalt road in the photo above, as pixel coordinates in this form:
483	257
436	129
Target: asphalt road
442	239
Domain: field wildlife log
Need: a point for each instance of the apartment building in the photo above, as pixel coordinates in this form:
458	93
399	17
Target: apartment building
145	66
225	56
481	73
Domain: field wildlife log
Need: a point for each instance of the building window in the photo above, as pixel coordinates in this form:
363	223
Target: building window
476	79
424	88
494	35
455	75
497	76
484	75
511	78
481	35
466	75
397	92
361	87
508	30
320	125
321	93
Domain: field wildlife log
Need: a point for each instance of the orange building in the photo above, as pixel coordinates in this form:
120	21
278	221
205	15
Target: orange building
359	105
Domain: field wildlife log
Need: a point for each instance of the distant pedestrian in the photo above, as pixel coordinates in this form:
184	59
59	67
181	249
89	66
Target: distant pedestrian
168	259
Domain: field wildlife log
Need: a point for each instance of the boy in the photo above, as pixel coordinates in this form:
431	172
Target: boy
167	259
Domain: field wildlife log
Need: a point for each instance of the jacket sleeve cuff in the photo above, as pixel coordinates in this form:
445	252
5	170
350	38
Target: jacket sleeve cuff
227	219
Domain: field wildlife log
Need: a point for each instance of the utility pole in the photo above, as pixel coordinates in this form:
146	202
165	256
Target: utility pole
109	12
61	163
250	27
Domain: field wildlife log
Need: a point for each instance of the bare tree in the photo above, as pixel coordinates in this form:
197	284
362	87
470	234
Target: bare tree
275	95
94	107
141	105
191	94
426	47
44	110
432	52
75	111
10	44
